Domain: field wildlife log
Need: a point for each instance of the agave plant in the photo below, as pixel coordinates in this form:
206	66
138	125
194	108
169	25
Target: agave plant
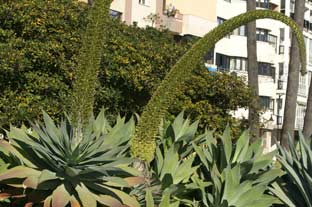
167	182
295	188
59	170
235	174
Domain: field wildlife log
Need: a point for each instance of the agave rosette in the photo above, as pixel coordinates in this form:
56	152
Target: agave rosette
295	187
59	169
235	174
169	174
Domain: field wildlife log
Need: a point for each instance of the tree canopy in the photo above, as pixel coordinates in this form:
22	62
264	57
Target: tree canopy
39	44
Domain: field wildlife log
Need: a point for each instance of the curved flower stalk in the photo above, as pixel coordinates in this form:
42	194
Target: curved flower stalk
143	143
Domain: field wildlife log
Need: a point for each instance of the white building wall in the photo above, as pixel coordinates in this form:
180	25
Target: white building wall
141	11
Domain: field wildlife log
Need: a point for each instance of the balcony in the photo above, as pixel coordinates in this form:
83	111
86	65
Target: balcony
173	22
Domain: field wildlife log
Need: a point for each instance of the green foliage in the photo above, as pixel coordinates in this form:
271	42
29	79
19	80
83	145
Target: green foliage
235	174
89	59
57	169
210	97
143	143
134	62
38	41
168	178
295	188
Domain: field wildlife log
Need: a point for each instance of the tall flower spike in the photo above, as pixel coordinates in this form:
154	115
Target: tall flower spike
88	63
143	143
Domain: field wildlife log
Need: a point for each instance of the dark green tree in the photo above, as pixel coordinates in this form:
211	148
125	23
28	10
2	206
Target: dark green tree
134	62
38	43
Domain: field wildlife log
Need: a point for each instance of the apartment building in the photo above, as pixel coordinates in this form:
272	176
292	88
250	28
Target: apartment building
197	17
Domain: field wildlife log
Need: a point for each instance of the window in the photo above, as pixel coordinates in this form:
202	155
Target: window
227	63
279	103
302	85
282	35
263	4
281	49
292	6
220	20
262	34
144	2
283	6
266	103
222	62
241	31
265	69
281	69
300	112
272	41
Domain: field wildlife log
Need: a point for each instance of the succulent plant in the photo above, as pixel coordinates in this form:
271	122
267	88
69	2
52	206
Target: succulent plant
295	187
168	176
235	174
59	170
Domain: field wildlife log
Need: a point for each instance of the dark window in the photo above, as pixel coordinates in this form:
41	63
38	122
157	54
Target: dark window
266	102
222	62
262	34
281	69
142	2
283	5
263	4
282	34
279	102
226	63
220	20
265	69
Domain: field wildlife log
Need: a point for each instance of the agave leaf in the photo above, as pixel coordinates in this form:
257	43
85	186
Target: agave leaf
74	202
159	160
47	175
295	178
101	125
86	197
241	146
149	198
201	155
19	172
269	176
182	128
115	182
165	200
276	189
227	142
263	161
47	202
109	201
4	196
125	198
184	171
120	133
171	162
31	181
132	181
60	197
